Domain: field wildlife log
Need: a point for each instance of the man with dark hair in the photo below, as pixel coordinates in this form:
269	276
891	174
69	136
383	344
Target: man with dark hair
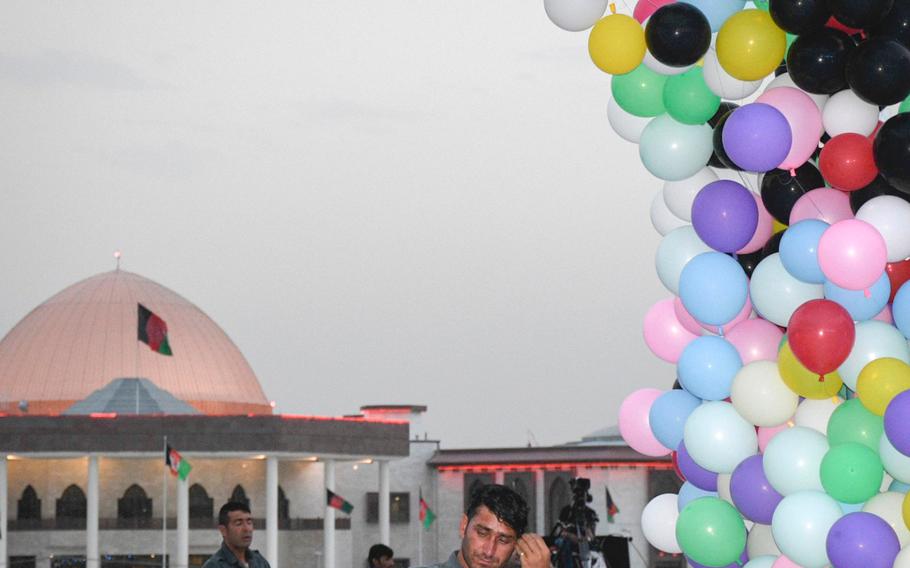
235	523
380	556
493	529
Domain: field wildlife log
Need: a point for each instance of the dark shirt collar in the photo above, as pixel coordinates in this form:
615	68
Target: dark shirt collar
230	557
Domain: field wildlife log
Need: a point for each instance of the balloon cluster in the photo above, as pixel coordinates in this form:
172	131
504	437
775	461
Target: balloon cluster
785	216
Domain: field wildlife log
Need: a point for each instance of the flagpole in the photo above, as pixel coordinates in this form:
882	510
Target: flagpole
164	513
419	529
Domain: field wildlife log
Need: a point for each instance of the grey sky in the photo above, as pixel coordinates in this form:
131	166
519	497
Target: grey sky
379	201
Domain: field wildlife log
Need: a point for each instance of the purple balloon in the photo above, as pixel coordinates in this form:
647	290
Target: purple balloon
694	473
757	137
725	215
897	422
743	558
751	492
862	539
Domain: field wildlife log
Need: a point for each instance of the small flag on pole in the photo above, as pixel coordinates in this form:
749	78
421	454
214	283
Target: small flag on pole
612	509
179	466
153	331
338	502
427	516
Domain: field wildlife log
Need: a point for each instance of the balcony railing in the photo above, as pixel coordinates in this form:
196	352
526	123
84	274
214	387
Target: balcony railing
78	524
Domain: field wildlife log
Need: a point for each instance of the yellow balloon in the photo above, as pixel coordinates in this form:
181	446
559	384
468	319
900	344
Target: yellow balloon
617	44
905	509
750	45
801	380
777	226
880	381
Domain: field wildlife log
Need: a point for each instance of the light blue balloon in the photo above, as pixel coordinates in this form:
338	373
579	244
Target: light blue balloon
793	458
713	288
717	11
850	507
856	303
717	438
898	486
776	294
799	250
674	151
668	415
900	309
764	561
689	492
800	527
675	251
707	367
874	340
896	464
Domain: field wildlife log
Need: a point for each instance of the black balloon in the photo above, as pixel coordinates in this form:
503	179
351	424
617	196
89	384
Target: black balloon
877	188
780	191
724	109
860	13
821	144
799	16
878	71
781	69
678	34
817	61
750	261
892	151
718	141
895	24
773	244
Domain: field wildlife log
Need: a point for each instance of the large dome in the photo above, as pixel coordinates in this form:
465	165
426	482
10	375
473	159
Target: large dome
84	337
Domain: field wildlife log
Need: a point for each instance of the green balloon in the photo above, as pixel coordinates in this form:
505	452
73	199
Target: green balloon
688	99
851	472
851	422
905	106
711	531
762	4
640	91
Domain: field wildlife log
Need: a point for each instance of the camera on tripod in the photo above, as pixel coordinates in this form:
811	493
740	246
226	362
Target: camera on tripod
574	532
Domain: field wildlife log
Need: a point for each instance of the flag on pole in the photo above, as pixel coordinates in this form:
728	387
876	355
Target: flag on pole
179	466
427	516
338	502
153	331
612	509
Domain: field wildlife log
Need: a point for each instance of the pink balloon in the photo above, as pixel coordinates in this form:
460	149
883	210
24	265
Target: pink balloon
763	231
766	433
885	315
645	8
784	562
829	205
685	318
635	426
852	254
755	340
665	336
805	122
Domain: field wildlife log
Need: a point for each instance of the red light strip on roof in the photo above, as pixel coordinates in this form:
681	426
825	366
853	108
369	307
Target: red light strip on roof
103	415
477	468
339	419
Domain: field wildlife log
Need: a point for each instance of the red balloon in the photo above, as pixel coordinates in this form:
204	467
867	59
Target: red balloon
847	163
821	335
898	273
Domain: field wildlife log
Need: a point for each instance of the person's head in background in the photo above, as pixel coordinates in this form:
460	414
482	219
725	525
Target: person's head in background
380	556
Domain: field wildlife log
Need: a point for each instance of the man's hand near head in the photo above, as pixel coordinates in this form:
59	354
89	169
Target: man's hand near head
533	551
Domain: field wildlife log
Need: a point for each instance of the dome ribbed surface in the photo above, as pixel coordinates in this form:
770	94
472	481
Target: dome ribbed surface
84	337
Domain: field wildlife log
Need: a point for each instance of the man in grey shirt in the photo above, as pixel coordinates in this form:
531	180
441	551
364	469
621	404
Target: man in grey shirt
235	523
493	529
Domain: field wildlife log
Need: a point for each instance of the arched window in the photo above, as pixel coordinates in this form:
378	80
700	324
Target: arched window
71	505
284	506
559	496
239	495
29	505
201	505
134	504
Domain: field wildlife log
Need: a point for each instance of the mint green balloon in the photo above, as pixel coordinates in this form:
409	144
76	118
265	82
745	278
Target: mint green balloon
674	151
851	422
762	4
711	531
640	91
852	473
688	99
905	106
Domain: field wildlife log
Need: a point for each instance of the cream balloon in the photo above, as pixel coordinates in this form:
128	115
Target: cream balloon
722	83
887	505
761	542
846	112
760	396
679	195
815	414
661	217
626	124
723	487
575	15
903	559
890	215
658	522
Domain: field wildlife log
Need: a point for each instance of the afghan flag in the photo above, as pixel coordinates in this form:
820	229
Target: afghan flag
153	331
612	509
338	502
427	516
179	466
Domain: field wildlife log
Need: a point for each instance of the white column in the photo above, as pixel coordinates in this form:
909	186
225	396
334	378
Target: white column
328	524
384	496
92	559
540	497
271	510
3	512
183	524
499	477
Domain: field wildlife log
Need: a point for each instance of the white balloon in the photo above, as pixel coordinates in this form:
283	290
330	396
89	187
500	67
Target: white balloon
661	218
815	414
765	561
760	395
887	505
846	112
722	83
792	460
874	340
676	249
662	68
903	559
890	215
658	523
626	124
776	293
761	542
889	112
679	195
784	80
896	464
575	15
